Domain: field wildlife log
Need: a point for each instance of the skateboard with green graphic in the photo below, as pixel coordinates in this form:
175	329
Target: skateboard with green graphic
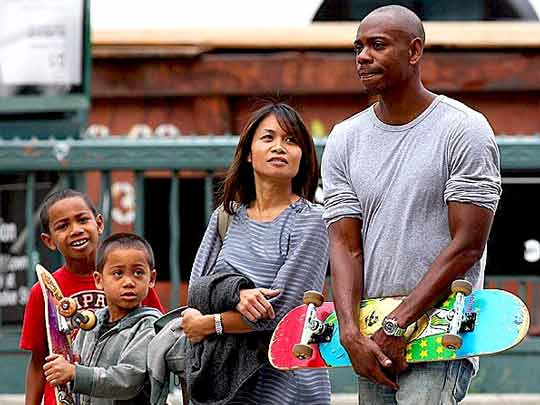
466	324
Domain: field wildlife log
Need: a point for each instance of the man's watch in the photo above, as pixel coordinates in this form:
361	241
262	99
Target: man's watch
391	327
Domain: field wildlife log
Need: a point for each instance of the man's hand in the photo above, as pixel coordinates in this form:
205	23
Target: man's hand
394	347
368	359
254	304
196	325
58	370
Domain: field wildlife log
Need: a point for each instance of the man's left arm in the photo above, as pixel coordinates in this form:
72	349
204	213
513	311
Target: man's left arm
472	193
469	230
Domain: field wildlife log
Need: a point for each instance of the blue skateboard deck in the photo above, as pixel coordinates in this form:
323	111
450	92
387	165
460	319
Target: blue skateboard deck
500	322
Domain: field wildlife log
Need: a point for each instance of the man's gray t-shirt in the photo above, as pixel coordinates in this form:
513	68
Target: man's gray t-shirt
398	181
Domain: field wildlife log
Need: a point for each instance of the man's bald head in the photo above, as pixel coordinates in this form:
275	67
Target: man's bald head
402	19
389	46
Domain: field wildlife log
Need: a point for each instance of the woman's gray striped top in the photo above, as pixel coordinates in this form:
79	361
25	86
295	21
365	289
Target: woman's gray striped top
289	253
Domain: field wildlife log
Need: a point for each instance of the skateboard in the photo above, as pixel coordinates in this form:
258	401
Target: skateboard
465	324
62	316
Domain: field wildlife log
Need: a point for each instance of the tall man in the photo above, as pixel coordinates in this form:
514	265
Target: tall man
411	185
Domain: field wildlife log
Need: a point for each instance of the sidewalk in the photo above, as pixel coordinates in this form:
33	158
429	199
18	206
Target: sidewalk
472	399
350	399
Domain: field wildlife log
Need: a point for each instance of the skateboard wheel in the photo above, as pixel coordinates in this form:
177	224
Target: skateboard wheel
452	342
313	297
87	320
462	286
67	307
302	352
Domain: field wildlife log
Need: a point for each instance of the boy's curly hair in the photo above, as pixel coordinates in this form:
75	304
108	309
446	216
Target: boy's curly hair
59	196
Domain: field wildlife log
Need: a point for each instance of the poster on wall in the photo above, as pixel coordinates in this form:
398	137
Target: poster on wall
13	289
41	42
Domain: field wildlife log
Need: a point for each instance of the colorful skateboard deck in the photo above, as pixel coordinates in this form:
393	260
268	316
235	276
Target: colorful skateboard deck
58	332
499	320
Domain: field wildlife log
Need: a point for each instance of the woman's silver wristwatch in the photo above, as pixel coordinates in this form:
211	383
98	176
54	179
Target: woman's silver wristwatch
219	325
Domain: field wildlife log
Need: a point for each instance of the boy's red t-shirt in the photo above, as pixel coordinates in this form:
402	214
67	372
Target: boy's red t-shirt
80	287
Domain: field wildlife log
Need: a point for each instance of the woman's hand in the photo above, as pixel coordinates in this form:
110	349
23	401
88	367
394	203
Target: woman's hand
196	325
58	370
254	304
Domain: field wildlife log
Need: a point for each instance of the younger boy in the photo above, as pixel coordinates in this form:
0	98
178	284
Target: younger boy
113	355
71	224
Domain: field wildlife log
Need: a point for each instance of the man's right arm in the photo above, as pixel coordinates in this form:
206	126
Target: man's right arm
343	218
346	261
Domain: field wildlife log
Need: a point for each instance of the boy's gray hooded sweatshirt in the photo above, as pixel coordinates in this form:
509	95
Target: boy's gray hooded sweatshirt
112	370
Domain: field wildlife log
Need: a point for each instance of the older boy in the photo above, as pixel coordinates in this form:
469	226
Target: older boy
71	224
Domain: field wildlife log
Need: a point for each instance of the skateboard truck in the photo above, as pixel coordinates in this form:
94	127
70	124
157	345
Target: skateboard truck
314	331
84	320
73	318
459	320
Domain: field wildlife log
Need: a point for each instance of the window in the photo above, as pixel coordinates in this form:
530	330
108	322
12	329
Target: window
514	242
429	10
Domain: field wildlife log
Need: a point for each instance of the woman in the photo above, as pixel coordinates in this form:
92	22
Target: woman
276	239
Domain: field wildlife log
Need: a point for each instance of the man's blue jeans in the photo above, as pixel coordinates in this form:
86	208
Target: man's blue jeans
437	383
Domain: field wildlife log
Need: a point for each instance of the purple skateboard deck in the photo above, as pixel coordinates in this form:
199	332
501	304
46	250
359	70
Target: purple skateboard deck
58	332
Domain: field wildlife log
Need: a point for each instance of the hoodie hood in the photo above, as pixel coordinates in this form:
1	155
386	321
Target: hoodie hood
130	319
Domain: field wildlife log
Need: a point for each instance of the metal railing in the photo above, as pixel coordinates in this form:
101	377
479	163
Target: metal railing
72	159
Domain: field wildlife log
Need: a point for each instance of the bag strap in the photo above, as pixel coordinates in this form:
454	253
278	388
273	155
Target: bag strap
224	220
